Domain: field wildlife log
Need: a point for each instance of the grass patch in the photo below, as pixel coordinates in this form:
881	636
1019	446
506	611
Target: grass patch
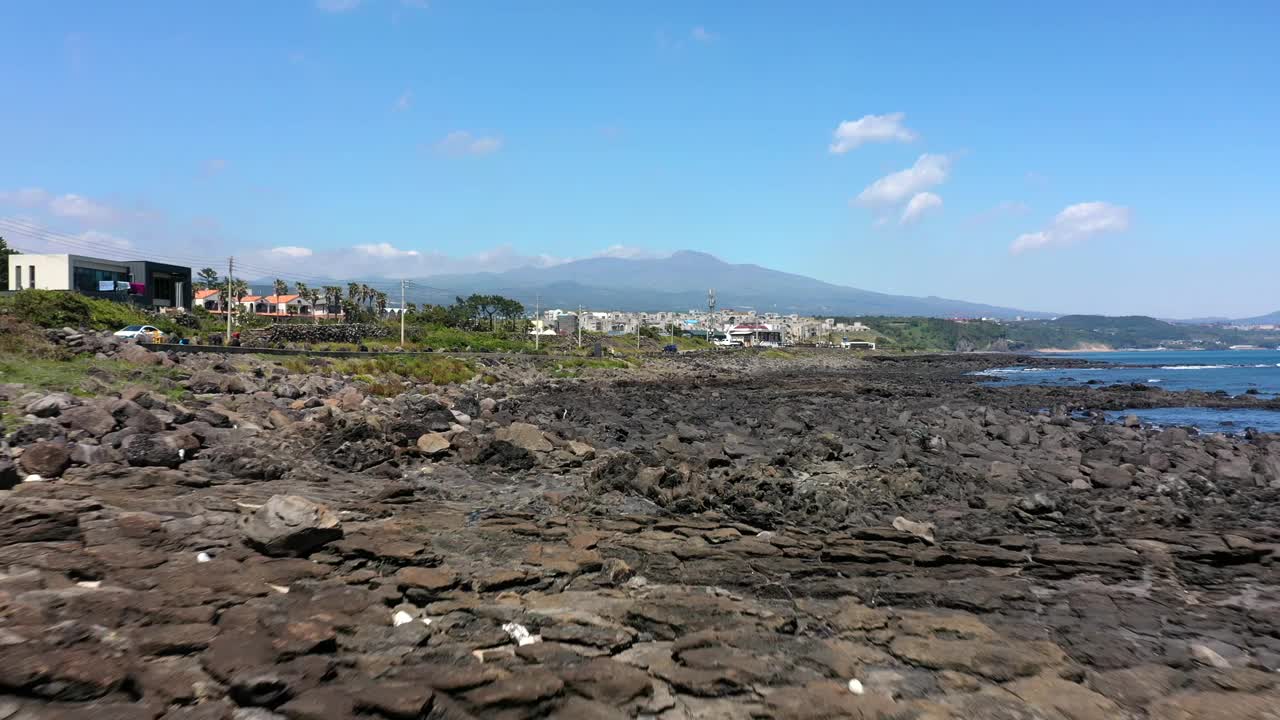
435	370
775	354
21	339
86	376
296	364
443	338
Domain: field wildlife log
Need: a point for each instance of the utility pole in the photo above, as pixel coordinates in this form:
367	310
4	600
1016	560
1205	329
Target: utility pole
711	308
537	320
402	308
226	305
638	322
579	324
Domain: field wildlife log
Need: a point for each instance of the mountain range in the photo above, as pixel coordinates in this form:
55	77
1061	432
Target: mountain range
681	282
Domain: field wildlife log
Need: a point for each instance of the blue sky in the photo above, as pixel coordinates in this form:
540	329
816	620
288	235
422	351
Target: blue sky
1099	157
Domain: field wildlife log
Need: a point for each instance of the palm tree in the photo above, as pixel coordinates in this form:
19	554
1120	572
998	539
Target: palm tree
353	292
281	287
332	297
304	293
380	299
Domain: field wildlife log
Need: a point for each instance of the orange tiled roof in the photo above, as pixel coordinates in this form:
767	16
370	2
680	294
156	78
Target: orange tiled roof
251	298
202	294
276	299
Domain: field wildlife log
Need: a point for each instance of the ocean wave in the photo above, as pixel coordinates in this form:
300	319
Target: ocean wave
1195	367
996	372
1153	380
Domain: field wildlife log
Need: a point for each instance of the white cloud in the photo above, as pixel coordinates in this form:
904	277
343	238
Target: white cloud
1075	224
870	128
337	6
292	251
928	171
461	142
26	197
628	252
105	240
703	35
81	208
920	204
404	101
385	250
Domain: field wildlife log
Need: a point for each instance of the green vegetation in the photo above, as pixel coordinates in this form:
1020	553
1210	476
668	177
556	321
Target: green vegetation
774	354
923	334
55	309
456	339
382	368
5	252
1135	331
1067	332
27	358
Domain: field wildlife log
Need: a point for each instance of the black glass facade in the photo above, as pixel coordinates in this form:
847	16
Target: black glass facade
87	279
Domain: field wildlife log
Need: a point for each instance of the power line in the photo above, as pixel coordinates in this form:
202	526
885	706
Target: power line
80	245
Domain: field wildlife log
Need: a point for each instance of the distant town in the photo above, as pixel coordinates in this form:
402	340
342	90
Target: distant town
169	289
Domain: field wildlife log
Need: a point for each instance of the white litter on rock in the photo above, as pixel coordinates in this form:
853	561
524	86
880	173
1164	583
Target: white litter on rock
855	686
90	584
400	618
33	478
427	621
182	453
765	535
283	590
203	557
521	634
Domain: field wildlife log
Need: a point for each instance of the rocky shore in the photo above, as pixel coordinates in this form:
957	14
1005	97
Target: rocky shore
729	535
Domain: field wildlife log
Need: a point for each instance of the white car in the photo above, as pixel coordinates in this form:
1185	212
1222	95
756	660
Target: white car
143	333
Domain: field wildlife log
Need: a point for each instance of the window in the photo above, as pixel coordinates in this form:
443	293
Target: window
87	279
17	277
31	275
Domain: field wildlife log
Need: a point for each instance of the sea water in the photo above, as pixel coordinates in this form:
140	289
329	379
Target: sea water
1235	372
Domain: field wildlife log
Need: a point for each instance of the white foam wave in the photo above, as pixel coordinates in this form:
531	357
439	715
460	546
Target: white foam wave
1194	367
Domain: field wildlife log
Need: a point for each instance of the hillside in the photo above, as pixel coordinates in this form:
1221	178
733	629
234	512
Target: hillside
1068	332
680	282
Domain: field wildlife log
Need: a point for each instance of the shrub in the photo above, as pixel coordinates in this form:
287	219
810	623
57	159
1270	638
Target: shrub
56	308
435	370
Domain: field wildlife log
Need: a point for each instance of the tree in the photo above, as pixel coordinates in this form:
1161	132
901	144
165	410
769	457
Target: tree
5	252
486	306
239	288
510	310
208	280
332	298
281	287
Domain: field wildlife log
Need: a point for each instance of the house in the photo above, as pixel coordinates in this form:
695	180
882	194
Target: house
249	303
754	334
140	282
282	305
209	300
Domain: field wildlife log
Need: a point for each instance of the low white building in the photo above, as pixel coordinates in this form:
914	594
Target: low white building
142	282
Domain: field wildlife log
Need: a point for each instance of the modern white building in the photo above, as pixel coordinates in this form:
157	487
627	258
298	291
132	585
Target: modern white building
140	281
